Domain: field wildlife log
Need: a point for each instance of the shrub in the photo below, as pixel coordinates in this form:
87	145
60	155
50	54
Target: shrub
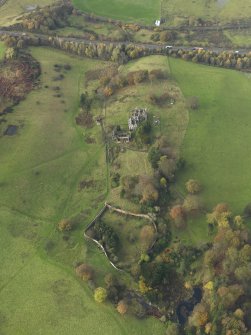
108	91
192	203
100	294
167	167
172	329
193	186
122	307
65	225
178	214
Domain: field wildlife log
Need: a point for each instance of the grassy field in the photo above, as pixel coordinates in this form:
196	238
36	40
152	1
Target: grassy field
173	10
223	10
12	9
41	167
135	11
217	142
2	50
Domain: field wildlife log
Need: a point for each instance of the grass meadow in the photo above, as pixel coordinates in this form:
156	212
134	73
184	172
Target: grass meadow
134	11
41	167
217	142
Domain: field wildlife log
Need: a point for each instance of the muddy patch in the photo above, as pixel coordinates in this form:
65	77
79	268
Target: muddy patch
11	130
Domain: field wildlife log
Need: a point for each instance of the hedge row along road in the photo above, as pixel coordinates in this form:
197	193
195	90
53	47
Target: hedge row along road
25	35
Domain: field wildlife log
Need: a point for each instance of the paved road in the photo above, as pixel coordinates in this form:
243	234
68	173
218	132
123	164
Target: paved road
96	42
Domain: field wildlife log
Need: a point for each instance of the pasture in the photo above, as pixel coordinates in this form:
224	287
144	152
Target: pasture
217	143
41	168
175	11
134	11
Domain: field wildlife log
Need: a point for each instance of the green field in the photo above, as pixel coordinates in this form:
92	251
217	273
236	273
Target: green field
222	10
172	10
135	11
217	142
41	167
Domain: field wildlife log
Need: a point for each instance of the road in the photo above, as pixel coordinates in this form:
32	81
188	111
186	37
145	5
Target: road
25	35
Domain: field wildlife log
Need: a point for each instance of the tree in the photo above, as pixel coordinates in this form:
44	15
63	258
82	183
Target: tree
163	182
178	214
167	166
150	193
147	235
172	329
65	225
84	271
192	203
193	186
10	53
122	307
199	316
154	156
108	91
143	133
143	287
100	294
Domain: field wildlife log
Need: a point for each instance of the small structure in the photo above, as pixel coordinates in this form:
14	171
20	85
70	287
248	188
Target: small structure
120	135
139	115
